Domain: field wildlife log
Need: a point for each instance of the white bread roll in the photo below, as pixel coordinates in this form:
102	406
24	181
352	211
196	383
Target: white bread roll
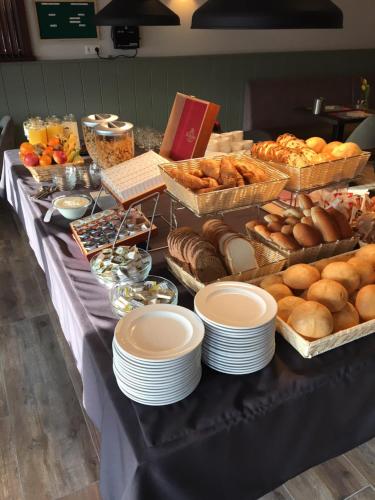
273	279
368	253
327	150
365	302
311	320
316	144
364	268
344	273
329	293
279	291
300	276
346	150
286	305
346	318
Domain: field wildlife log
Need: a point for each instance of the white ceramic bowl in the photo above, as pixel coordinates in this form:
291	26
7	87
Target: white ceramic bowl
72	212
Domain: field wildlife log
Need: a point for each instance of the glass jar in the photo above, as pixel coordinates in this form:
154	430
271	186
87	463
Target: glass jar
54	127
37	132
70	126
88	125
114	143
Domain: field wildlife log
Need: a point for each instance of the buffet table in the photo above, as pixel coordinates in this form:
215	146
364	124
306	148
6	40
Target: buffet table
235	436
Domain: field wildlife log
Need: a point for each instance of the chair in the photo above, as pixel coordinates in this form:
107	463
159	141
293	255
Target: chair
364	134
7	137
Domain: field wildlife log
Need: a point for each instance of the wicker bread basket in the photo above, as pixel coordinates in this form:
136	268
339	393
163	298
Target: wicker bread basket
309	349
270	261
320	175
226	199
45	174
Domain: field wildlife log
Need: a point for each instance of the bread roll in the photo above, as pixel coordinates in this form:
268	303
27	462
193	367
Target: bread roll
252	223
346	318
329	293
304	201
368	253
284	241
344	273
293	212
346	150
239	254
279	291
365	302
273	218
326	224
306	235
287	229
364	269
317	144
300	276
308	221
342	223
327	150
263	231
274	227
307	212
286	305
311	320
273	279
292	220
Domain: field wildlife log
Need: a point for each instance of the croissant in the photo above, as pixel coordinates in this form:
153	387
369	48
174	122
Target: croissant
210	168
190	181
228	173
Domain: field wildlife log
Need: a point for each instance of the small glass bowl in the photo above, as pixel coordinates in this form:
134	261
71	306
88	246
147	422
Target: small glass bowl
118	291
131	275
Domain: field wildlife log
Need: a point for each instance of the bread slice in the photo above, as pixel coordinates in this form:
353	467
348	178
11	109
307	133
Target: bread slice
239	255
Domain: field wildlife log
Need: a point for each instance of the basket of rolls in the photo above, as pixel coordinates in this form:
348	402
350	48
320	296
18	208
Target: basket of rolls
305	233
218	253
312	163
327	304
208	186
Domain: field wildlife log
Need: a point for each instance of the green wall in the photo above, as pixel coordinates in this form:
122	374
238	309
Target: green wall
141	90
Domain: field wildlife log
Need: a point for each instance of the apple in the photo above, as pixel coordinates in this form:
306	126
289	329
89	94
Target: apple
31	159
59	157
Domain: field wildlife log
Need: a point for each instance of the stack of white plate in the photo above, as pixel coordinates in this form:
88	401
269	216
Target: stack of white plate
157	354
239	324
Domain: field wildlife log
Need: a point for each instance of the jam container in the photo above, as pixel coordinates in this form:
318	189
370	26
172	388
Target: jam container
88	128
114	143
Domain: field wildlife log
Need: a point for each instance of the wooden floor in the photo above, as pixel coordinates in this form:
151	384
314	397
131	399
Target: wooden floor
48	448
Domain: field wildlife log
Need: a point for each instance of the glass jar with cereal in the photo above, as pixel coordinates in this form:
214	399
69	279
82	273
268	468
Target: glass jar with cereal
88	129
114	143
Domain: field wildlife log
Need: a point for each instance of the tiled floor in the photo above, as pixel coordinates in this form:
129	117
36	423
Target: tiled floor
48	448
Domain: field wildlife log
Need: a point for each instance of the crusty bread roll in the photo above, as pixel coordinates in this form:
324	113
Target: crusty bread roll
293	212
239	254
311	320
274	227
346	150
344	273
346	318
252	223
263	231
365	302
327	150
300	276
364	268
273	218
286	305
342	223
329	293
306	235
287	229
304	201
285	241
326	224
279	291
368	253
292	220
316	144
308	221
273	279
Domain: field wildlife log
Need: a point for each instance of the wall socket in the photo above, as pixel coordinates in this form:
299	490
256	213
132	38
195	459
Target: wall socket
90	50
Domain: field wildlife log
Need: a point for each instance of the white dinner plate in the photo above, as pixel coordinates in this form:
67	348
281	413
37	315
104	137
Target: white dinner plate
251	332
235	305
159	332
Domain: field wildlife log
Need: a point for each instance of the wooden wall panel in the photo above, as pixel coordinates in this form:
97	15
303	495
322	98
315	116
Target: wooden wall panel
142	90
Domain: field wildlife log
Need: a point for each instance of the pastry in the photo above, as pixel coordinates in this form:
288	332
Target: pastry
330	293
365	302
301	276
286	305
344	273
188	180
346	318
210	168
311	320
316	143
228	174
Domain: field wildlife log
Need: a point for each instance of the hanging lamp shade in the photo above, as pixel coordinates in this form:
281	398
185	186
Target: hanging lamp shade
136	13
267	14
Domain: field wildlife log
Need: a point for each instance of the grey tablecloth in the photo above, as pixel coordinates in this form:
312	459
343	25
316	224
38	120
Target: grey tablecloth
234	437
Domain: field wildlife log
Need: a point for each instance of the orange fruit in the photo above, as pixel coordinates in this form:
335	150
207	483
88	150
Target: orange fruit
26	147
48	151
55	141
45	160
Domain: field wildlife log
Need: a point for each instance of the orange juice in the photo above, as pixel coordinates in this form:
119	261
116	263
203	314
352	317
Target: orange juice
38	134
54	130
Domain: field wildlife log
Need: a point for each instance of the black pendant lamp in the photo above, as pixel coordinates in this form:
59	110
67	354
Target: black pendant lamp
136	13
267	14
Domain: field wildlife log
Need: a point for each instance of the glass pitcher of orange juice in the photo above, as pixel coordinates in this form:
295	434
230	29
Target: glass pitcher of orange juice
37	132
54	127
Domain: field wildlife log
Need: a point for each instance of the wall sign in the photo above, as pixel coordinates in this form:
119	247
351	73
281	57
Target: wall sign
66	19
